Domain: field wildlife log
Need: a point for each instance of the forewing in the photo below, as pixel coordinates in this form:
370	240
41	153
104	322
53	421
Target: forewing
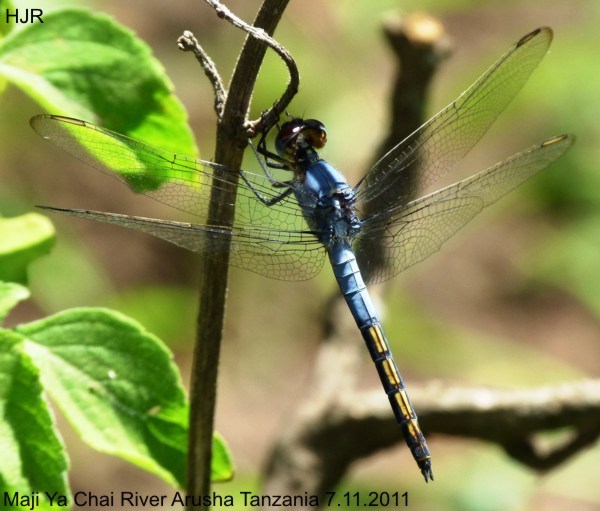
274	241
435	148
408	234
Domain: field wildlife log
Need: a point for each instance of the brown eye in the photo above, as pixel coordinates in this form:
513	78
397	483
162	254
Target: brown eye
313	130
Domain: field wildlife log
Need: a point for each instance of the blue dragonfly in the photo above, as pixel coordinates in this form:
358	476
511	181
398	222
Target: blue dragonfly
285	229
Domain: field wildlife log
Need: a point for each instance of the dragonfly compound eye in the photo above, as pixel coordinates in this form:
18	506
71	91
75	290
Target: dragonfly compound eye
312	130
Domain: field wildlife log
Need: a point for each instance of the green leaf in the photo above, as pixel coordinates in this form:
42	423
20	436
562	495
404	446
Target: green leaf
222	462
5	28
22	240
116	384
10	295
33	457
87	65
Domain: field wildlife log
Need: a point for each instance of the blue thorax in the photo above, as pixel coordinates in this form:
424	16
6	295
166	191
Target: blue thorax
327	201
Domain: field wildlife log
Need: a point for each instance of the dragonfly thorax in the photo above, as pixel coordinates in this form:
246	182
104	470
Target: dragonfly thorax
326	199
327	202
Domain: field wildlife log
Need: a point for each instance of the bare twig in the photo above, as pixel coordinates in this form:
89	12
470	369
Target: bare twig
321	454
232	133
187	42
270	117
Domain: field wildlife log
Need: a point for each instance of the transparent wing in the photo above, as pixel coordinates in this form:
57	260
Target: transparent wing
271	240
434	149
411	233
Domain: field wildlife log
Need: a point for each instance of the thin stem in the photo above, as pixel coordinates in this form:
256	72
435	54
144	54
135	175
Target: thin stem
271	116
187	42
232	133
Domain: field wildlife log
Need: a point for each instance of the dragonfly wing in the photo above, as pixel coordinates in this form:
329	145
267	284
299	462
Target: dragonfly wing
270	240
433	149
286	255
181	182
410	233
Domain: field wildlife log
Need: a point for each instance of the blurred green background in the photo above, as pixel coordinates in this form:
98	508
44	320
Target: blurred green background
513	301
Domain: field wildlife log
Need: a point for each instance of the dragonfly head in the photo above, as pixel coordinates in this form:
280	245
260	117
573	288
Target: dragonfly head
311	131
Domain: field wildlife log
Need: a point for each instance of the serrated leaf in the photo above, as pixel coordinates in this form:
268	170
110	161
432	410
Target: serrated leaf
10	295
88	66
22	240
33	457
116	384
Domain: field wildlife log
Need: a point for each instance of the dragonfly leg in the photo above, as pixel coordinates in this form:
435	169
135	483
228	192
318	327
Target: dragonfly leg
271	159
273	200
265	164
263	155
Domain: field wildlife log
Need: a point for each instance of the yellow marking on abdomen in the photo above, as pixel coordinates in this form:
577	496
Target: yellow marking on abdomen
404	405
391	372
376	336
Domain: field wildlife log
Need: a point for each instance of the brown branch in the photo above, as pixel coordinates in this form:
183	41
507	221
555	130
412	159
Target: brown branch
420	45
231	143
317	452
506	417
187	42
271	116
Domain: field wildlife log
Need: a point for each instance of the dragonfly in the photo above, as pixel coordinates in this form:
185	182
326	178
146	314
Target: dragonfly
286	229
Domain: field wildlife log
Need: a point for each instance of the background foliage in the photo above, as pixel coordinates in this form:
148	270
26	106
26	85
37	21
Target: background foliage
513	301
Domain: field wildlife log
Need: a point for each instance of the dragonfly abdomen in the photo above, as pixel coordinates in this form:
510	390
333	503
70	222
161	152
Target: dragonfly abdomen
396	392
347	273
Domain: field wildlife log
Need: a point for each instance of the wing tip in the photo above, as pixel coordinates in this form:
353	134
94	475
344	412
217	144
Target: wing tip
36	120
570	138
545	30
